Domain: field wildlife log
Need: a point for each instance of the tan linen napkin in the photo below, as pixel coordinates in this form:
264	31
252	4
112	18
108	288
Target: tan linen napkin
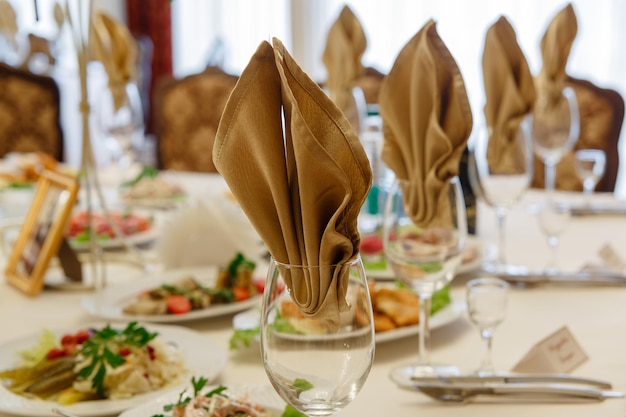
509	91
345	45
556	45
426	123
116	48
8	22
302	189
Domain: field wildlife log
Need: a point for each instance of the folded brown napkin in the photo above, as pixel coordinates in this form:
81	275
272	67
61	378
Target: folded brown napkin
345	45
556	45
8	22
510	94
116	48
301	188
426	123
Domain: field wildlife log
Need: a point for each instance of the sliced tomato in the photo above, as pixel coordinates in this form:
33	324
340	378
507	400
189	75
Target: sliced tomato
371	245
55	353
178	304
241	293
259	285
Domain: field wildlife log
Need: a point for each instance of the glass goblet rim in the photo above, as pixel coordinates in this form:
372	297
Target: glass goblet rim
487	283
356	260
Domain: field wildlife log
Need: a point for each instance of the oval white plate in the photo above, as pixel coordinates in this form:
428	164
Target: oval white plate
250	319
203	357
110	302
473	244
260	394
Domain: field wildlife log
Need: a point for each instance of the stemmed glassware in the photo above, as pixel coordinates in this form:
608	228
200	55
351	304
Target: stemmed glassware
556	128
316	365
425	259
486	307
554	217
589	166
120	116
501	184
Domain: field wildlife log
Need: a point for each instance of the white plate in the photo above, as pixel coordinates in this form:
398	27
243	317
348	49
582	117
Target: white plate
472	244
203	357
260	394
110	302
250	319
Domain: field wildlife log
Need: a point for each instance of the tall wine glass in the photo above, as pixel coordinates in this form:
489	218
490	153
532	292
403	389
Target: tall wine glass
501	184
590	165
556	128
486	307
425	259
317	366
120	116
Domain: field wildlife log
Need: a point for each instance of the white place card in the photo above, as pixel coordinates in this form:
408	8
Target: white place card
557	353
611	259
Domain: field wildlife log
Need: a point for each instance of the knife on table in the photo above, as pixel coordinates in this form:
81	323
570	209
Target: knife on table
541	392
513	379
524	276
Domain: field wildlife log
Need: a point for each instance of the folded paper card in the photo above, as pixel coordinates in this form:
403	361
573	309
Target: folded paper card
557	353
207	232
426	123
509	93
302	187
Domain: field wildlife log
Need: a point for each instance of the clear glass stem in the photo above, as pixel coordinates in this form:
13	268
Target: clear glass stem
550	176
553	243
501	221
424	330
486	367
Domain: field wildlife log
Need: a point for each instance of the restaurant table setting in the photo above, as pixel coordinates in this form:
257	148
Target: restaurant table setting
253	281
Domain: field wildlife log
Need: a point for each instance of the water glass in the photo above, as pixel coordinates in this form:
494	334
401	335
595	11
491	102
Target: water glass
317	365
590	165
487	300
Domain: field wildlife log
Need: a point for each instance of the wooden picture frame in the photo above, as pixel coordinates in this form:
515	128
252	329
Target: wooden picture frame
42	231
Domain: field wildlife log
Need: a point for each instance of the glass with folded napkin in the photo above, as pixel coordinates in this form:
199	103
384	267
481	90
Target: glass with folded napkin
500	161
299	172
426	122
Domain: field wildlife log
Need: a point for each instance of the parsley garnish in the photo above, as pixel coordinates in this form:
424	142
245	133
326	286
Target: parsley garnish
99	351
301	385
239	261
198	385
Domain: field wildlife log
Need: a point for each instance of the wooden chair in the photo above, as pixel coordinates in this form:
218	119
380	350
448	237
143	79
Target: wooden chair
370	83
29	113
188	114
601	117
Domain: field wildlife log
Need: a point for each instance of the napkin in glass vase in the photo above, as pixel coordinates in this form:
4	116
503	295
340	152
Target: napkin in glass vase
427	121
115	47
301	188
556	45
345	45
509	92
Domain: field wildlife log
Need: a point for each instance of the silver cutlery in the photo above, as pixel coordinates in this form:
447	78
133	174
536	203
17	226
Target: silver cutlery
463	392
560	379
598	210
519	275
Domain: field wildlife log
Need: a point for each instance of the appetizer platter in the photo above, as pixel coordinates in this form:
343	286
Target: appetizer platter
181	294
151	190
202	400
101	369
137	228
395	310
376	266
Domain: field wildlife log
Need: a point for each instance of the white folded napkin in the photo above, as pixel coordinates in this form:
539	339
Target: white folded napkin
208	232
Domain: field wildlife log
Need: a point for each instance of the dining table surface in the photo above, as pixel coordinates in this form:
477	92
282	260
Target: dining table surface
595	316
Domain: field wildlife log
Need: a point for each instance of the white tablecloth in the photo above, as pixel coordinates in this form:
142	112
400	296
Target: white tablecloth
596	316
